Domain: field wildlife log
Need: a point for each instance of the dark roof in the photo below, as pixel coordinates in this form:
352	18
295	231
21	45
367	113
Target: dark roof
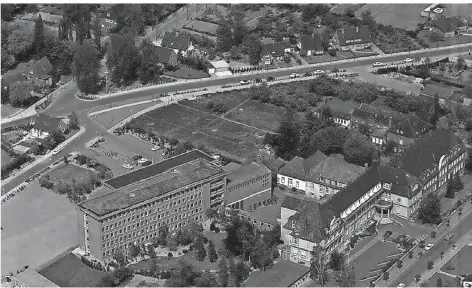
412	127
156	169
169	181
353	35
456	21
310	220
164	54
444	25
176	40
311	43
275	49
426	152
373	113
339	108
47	123
243	175
302	169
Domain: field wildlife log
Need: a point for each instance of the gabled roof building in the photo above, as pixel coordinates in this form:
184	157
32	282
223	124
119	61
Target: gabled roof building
352	38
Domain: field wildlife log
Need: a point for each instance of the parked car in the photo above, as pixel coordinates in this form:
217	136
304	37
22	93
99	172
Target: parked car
294	75
128	166
408	60
258	80
244	82
401	285
308	74
270	78
318	72
215	156
56	151
136	157
155	148
449	237
429	246
101	139
142	160
378	64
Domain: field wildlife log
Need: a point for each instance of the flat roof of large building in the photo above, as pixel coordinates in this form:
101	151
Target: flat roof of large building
156	169
169	180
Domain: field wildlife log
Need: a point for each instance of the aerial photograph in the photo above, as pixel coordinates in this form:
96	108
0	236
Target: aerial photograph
236	144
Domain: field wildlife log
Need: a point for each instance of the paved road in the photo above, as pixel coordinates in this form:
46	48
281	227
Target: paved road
68	102
408	275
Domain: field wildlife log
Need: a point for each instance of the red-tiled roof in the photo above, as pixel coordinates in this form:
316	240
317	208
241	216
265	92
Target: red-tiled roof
353	35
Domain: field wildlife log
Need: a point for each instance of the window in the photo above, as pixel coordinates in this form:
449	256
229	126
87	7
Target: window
283	179
297	184
290	182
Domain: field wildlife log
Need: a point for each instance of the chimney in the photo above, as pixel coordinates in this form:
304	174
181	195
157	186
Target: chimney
390	122
357	29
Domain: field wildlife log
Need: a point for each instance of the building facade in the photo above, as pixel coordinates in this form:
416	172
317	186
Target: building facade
172	193
352	38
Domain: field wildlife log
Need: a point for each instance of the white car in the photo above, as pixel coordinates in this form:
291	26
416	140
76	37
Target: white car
142	160
56	151
319	72
401	285
128	166
294	75
155	148
244	82
408	60
429	246
378	64
215	156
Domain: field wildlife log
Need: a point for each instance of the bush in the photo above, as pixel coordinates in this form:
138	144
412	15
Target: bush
15	164
170	255
217	230
387	70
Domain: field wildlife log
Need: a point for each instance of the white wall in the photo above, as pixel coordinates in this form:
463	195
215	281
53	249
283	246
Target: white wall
284	180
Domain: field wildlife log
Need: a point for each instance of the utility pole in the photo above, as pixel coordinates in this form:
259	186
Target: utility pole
187	10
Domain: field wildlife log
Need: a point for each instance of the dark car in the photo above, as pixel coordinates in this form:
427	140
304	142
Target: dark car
449	237
258	80
270	78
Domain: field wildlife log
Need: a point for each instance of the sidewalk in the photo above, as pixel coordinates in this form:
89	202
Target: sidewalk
37	161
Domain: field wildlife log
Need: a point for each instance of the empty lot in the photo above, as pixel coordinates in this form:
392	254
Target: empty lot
404	16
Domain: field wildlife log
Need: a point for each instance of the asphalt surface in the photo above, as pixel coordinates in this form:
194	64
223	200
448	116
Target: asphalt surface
68	102
407	276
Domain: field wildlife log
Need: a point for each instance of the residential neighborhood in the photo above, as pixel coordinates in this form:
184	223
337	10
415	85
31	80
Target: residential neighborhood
236	145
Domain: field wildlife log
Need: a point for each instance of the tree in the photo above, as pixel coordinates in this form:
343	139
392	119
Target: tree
20	42
149	70
417	278
357	149
390	147
73	121
207	279
442	255
347	277
436	111
430	265
289	137
386	276
457	183
123	59
85	67
212	255
39	36
399	264
224	36
241	272
433	234
119	257
134	250
20	93
318	269
200	249
364	128
223	272
336	261
410	255
439	282
460	63
97	33
435	36
129	19
430	210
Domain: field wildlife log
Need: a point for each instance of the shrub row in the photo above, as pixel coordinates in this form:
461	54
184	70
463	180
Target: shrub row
191	91
94	265
246	69
15	164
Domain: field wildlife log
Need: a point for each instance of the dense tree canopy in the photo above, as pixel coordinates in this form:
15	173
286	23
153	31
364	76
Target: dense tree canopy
430	210
85	67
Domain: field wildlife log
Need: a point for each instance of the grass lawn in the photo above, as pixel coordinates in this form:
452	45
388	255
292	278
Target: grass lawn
404	16
8	110
37	225
370	259
461	262
461	39
203	26
282	274
283	64
111	118
69	271
186	73
230	99
5	158
261	115
321	58
448	281
68	173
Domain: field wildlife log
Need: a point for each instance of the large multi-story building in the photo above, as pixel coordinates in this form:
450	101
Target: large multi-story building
171	193
318	175
423	168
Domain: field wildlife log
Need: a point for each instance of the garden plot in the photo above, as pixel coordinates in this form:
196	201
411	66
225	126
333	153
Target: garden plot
404	16
204	27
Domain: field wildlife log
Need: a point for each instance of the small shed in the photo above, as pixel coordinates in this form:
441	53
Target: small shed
219	68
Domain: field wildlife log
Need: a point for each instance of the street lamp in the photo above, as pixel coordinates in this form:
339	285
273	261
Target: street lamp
106	82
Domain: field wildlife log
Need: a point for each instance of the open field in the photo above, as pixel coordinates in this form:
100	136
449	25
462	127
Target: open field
68	173
257	114
341	8
462	10
5	158
460	262
370	259
8	110
205	27
69	271
282	274
189	257
38	224
186	73
111	118
230	99
404	16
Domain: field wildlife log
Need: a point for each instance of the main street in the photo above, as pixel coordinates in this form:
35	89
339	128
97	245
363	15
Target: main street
68	102
407	276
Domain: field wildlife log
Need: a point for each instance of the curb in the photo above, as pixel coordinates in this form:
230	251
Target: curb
60	146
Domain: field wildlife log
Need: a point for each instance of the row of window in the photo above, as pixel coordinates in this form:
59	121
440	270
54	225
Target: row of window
180	195
265	179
